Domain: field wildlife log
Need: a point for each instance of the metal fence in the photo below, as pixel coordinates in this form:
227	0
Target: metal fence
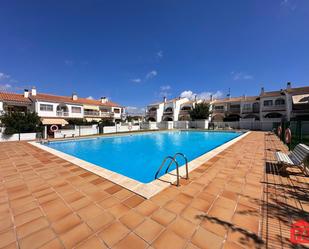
299	130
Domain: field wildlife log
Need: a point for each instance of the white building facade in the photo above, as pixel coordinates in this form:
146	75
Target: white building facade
49	106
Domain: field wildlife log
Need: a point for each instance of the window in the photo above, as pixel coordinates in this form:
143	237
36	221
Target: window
46	108
268	102
234	106
116	110
76	109
279	102
186	108
247	107
104	110
219	107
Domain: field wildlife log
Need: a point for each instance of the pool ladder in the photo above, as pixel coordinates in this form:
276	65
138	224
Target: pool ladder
173	160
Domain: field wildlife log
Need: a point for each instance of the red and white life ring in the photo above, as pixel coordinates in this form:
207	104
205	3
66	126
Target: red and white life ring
53	128
288	135
279	130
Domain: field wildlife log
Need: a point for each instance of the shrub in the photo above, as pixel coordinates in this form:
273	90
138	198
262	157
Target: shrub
200	111
19	122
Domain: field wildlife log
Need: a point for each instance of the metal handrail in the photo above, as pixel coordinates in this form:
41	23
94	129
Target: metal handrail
186	160
162	164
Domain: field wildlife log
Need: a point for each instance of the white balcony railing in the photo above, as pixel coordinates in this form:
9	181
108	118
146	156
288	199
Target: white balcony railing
107	114
91	113
274	108
62	114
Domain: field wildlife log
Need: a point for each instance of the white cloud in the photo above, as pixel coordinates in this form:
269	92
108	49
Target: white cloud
5	87
288	4
148	76
241	76
151	74
6	81
133	110
165	91
137	80
201	96
4	76
89	97
160	54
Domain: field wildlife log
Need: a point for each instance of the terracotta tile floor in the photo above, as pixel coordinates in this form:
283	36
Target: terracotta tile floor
235	200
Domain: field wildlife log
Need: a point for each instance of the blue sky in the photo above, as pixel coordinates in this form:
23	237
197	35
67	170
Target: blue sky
135	52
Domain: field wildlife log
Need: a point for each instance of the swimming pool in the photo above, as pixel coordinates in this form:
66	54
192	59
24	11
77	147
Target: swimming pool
139	156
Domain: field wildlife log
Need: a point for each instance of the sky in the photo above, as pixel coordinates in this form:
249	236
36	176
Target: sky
136	52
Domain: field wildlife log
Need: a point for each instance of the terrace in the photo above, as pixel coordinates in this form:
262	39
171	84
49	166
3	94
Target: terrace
235	200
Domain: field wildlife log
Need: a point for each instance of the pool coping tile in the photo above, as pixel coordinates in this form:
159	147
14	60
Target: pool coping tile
146	190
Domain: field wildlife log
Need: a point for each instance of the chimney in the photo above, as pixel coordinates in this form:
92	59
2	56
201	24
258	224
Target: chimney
104	100
195	97
262	91
164	99
26	93
74	96
288	86
33	91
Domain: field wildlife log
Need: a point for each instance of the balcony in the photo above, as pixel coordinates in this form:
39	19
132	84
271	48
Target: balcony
167	112
274	108
250	110
184	112
234	110
107	114
92	113
151	113
62	114
218	110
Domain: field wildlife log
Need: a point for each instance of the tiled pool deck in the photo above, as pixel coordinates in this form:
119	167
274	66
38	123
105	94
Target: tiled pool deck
47	202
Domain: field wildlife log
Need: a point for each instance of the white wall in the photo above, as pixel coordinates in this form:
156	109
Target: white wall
200	124
117	115
149	126
120	128
76	115
181	124
77	131
165	125
160	111
177	105
45	113
15	137
54	112
248	125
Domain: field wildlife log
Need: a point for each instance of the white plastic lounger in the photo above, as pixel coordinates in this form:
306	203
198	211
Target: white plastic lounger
295	158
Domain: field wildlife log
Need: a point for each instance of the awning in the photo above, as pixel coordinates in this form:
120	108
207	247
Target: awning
93	119
54	121
91	107
301	99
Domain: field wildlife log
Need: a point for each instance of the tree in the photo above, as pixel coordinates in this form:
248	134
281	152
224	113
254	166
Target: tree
200	111
19	122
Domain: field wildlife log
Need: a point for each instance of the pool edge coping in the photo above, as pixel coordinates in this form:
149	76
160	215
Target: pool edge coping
146	190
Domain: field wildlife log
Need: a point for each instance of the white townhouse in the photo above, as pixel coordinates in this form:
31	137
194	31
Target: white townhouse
169	110
14	102
274	106
54	109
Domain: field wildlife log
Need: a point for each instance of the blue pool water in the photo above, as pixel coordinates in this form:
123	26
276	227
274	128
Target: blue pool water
139	156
